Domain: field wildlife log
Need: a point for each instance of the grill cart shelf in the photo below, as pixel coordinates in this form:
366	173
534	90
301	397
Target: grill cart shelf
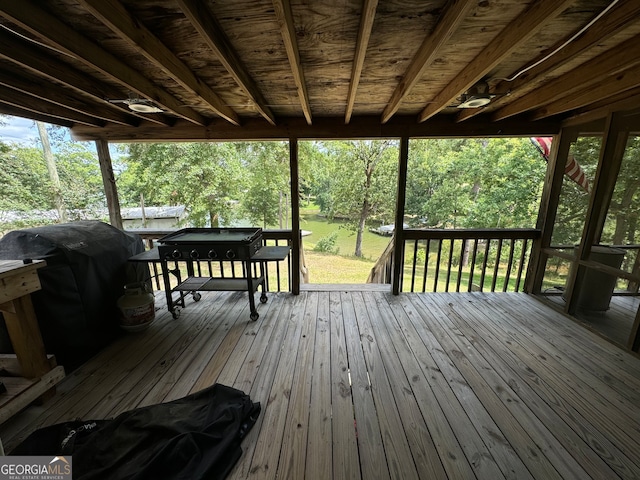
220	245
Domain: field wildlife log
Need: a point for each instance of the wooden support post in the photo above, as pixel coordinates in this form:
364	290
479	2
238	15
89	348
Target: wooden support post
611	152
296	242
109	182
634	338
398	252
548	208
25	336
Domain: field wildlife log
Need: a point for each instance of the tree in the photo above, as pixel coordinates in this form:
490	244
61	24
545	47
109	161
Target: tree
574	201
622	219
264	201
363	182
56	191
23	179
474	183
26	186
205	177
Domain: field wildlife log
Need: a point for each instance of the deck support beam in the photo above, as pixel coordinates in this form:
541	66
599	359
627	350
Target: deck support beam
614	142
296	241
398	251
548	208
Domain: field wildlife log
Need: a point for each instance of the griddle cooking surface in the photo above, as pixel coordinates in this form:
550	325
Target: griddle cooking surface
224	236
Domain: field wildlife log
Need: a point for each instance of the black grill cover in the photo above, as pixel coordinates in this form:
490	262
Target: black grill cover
85	274
192	438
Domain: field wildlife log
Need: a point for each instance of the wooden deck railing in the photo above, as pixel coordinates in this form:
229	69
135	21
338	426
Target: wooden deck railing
278	274
628	273
443	260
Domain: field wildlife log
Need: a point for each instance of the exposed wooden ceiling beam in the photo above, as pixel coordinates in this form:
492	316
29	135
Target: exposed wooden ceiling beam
322	128
364	33
611	23
113	14
285	19
29	16
20	112
605	88
624	101
211	32
428	52
31	85
39	106
609	63
32	59
522	28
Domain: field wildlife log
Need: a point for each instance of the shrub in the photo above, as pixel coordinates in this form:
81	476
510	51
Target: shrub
327	244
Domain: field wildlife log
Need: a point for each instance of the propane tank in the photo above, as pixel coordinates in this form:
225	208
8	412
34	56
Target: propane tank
137	307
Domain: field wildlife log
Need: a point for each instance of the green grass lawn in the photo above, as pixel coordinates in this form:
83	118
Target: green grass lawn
344	267
372	245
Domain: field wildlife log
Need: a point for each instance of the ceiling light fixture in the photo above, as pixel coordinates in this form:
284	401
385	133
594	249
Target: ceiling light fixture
144	108
477	96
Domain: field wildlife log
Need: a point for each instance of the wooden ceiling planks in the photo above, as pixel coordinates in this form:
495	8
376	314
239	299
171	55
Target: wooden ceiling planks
242	61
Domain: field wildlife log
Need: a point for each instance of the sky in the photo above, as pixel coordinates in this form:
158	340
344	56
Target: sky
19	130
24	132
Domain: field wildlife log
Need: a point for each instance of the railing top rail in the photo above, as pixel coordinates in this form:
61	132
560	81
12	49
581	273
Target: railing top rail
470	233
159	233
571	247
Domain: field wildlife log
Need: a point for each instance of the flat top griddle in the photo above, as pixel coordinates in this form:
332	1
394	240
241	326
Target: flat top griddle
209	235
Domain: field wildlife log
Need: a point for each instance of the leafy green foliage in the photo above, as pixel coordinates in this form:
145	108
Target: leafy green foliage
206	177
23	179
355	181
327	244
474	183
264	200
574	201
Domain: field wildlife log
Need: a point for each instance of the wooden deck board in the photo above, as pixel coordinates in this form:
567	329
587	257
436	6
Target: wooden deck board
364	384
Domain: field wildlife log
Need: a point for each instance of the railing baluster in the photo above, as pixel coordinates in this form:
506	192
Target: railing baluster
496	268
413	265
426	264
460	262
509	265
446	288
484	263
435	280
473	263
525	244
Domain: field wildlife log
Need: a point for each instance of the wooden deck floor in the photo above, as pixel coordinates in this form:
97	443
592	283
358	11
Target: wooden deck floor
615	323
374	386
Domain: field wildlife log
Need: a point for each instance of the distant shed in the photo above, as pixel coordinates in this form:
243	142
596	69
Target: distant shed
153	217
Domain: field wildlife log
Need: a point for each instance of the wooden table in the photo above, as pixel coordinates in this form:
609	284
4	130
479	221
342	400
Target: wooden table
29	374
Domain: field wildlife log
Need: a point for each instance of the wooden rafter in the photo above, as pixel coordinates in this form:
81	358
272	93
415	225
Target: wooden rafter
610	24
211	32
32	60
113	14
29	103
29	16
626	100
589	73
522	28
33	86
428	52
14	111
364	33
285	19
605	88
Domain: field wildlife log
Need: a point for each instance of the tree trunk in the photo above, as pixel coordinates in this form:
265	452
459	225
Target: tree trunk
364	213
58	201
